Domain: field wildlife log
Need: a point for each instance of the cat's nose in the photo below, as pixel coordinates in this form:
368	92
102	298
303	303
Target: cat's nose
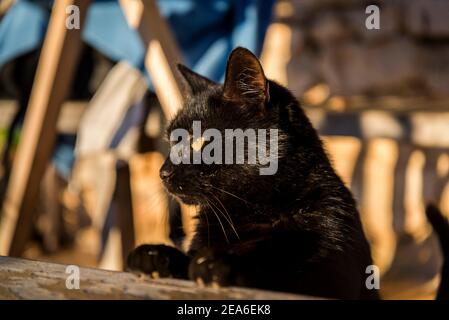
165	174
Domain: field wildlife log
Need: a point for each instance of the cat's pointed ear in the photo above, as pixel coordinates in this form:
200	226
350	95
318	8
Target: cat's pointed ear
245	79
192	82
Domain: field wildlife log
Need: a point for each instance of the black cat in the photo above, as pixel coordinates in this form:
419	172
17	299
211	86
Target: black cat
297	230
441	227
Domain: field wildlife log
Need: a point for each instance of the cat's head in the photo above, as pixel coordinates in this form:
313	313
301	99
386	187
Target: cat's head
271	124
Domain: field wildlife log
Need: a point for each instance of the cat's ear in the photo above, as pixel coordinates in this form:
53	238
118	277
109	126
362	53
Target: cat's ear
245	79
192	82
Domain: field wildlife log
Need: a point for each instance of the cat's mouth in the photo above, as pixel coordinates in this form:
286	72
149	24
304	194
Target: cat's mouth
189	199
185	196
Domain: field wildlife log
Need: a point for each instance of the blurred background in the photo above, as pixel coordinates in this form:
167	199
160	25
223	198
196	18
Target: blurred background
379	97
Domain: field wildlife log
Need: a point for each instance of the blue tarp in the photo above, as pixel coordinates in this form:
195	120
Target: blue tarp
206	30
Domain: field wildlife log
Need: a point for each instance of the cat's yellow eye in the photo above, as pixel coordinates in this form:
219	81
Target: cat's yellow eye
198	143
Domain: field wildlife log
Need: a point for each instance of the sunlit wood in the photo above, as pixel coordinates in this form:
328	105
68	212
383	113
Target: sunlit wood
52	82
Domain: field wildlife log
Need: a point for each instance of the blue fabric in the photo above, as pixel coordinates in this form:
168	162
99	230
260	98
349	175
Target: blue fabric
64	156
21	30
206	31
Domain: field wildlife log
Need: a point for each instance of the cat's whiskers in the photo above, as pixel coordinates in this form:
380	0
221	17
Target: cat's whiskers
229	193
219	220
208	229
204	213
229	219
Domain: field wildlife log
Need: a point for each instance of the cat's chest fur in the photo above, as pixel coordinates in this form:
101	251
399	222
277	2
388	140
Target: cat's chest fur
242	227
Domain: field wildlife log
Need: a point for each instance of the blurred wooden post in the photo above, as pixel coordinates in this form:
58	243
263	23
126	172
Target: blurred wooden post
162	51
51	85
161	59
53	78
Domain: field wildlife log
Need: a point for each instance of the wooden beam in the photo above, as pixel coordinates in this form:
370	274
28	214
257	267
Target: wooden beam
51	85
161	59
162	51
27	279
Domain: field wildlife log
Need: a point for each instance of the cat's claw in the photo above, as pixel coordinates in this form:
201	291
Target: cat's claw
158	261
210	269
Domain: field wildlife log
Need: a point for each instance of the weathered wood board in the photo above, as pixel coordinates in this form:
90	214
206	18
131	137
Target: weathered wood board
27	279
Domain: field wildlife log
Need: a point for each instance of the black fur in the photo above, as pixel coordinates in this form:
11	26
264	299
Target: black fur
441	226
296	231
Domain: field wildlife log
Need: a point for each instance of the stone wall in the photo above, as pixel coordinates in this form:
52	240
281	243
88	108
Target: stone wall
408	56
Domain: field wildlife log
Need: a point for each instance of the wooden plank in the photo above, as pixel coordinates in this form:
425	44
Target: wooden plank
26	279
398	103
161	59
421	129
53	79
162	52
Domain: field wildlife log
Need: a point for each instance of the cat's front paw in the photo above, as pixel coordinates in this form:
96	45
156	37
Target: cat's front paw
158	261
210	268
